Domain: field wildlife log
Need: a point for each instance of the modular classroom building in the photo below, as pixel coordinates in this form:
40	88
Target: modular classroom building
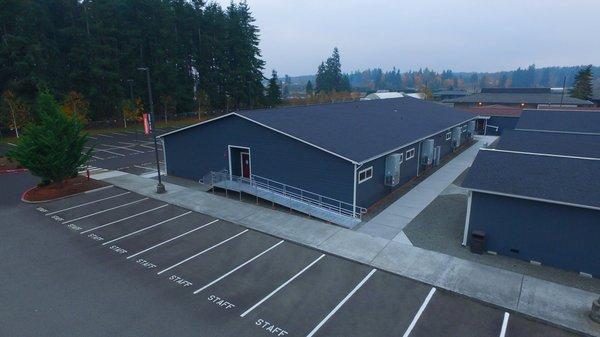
351	154
525	98
537	196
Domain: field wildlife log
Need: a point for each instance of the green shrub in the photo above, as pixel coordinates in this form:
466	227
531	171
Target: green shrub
53	147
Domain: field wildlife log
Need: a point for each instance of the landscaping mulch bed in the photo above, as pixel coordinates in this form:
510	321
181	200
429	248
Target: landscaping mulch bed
63	189
8	165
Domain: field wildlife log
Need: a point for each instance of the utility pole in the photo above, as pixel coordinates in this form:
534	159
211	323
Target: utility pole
562	95
160	188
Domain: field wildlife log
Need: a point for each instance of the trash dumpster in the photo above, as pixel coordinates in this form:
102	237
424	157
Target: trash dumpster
478	242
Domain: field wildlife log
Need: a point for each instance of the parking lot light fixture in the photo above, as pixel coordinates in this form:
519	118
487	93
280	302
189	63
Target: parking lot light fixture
160	188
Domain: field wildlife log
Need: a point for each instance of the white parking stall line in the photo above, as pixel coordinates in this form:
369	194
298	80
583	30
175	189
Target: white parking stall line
238	267
504	324
344	300
127	143
108	151
149	147
123	219
103	135
11	144
281	286
87	203
106	210
146	228
96	157
90	137
118	133
171	239
112	147
419	313
202	252
99	189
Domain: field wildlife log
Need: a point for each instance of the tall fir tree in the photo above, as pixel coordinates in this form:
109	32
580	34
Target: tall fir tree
329	75
582	87
309	88
273	96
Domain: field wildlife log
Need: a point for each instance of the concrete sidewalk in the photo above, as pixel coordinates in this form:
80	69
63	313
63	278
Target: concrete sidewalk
391	221
554	303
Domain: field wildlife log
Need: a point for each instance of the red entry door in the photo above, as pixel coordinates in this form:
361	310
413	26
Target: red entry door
245	156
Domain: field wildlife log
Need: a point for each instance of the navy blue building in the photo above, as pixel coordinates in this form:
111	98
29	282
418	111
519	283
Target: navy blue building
338	151
537	196
560	121
536	207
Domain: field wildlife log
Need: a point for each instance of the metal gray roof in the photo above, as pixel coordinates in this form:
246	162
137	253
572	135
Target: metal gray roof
565	144
585	121
518	98
361	130
549	178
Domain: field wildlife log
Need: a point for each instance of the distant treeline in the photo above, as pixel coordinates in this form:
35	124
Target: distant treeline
376	79
201	57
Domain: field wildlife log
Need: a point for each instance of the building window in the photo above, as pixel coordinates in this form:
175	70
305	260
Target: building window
365	174
448	135
410	154
464	128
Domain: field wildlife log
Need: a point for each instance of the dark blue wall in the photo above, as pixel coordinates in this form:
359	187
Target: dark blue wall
555	235
503	122
193	152
373	190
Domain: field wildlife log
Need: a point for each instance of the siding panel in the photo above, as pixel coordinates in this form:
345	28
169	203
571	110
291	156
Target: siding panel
196	151
556	235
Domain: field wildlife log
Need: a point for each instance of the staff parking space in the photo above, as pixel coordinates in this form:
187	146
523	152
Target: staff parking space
245	283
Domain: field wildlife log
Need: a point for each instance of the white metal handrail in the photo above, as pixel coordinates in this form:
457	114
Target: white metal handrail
289	191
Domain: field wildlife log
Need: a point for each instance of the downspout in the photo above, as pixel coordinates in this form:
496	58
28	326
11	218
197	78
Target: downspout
467	219
162	140
419	159
356	167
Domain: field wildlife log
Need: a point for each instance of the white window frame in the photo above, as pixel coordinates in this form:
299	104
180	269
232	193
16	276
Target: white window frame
464	128
448	135
368	169
411	155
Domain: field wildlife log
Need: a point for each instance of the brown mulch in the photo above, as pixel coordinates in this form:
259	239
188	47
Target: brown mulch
63	189
7	164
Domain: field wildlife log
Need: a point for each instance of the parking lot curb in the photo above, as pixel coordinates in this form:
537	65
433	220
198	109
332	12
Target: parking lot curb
59	198
13	171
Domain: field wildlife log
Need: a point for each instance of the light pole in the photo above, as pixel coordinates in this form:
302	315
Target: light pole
130	81
160	188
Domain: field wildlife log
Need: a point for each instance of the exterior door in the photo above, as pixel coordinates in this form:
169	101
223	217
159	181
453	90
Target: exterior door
245	161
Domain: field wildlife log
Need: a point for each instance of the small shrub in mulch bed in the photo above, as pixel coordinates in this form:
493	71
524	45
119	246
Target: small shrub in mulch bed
62	189
7	164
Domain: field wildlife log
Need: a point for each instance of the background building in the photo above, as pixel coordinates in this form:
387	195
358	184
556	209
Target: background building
518	97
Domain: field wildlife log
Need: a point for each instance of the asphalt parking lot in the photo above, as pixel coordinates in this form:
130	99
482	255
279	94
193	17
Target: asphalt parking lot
124	150
168	268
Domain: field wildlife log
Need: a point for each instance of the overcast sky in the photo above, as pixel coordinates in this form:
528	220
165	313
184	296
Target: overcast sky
462	35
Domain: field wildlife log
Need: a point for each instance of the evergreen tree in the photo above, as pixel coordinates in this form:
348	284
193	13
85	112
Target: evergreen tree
273	97
309	88
52	148
582	87
93	47
329	75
